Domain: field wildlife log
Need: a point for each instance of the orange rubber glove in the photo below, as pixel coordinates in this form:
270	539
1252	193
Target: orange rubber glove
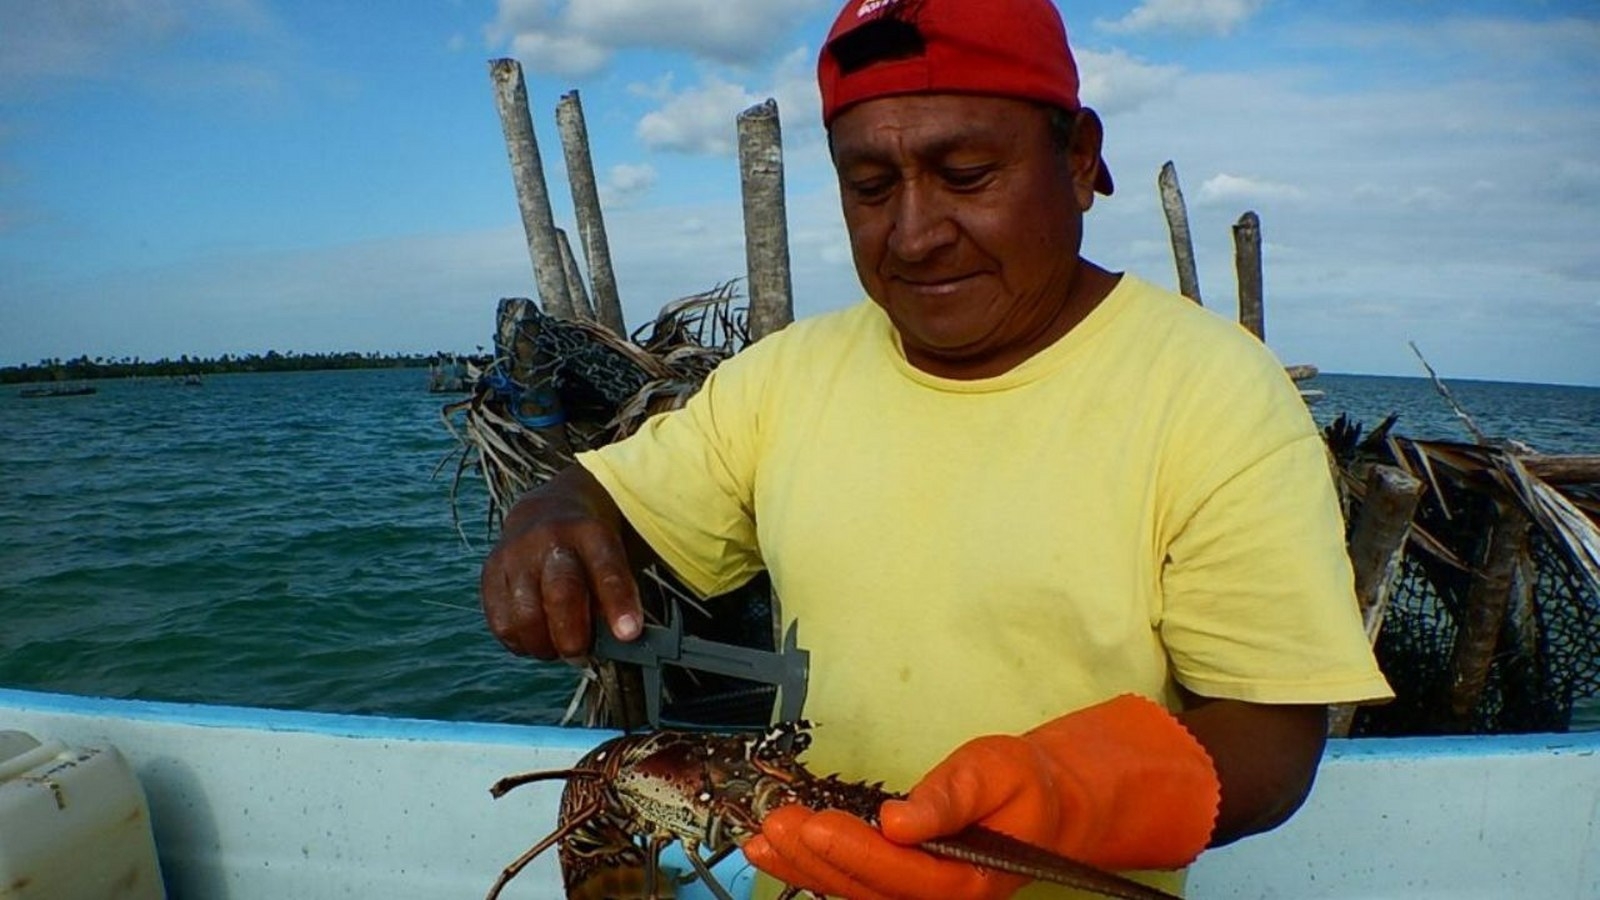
1120	785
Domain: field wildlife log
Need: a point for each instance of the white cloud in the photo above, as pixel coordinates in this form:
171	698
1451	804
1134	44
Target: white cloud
697	120
1500	39
579	36
794	86
559	53
1195	16
1391	210
1114	82
626	181
701	119
1226	188
422	292
95	39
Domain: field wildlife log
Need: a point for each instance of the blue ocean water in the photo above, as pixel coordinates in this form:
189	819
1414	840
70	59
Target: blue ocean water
1549	418
278	540
284	540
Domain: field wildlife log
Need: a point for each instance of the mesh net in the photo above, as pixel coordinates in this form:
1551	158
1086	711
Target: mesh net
1546	651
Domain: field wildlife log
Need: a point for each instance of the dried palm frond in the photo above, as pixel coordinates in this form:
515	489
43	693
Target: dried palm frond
558	387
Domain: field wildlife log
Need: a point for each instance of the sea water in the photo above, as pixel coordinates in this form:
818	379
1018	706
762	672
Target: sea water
288	540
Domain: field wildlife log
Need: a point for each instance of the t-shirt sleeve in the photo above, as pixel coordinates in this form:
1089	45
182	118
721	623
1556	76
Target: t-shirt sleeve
1259	603
685	479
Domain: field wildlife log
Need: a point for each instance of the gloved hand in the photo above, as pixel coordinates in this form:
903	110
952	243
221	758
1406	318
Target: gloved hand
1120	785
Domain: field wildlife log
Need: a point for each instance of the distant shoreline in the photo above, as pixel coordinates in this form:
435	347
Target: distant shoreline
86	369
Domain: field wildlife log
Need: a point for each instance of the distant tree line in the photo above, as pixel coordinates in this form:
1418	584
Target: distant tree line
85	368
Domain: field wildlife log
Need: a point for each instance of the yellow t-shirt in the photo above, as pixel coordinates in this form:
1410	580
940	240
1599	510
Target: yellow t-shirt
1146	501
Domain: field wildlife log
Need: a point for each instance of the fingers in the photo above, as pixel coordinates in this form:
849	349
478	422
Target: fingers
564	596
616	591
781	851
837	854
512	606
978	779
542	585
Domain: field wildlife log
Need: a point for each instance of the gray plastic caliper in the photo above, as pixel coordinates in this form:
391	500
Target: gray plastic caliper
787	668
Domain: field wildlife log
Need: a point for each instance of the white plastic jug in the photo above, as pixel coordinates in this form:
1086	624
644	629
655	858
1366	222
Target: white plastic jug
74	824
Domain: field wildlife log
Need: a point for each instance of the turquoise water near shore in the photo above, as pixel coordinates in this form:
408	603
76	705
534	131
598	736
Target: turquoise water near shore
285	540
278	540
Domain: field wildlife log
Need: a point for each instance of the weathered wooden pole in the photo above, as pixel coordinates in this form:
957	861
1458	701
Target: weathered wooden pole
533	197
1377	547
1574	469
1489	597
1439	385
1178	226
586	205
766	227
1378	540
581	307
1247	262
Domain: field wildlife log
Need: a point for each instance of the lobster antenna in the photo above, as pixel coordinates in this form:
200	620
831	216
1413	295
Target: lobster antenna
505	785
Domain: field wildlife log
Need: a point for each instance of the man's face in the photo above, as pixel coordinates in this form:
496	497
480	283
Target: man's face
965	221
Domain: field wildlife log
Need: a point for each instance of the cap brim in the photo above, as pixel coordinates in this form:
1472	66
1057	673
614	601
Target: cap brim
1102	179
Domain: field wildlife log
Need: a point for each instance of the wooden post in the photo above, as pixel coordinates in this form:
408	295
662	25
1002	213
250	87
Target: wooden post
1574	469
1178	227
1522	679
1458	409
586	205
533	197
1378	540
516	329
766	228
1247	262
1488	598
511	342
1377	547
581	307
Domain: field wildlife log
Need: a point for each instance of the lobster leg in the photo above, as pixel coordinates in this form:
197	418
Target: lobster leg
652	867
704	871
710	861
582	816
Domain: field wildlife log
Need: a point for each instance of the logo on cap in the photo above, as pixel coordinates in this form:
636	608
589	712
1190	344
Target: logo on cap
868	7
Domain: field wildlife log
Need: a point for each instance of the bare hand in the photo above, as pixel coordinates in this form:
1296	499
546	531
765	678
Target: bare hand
560	557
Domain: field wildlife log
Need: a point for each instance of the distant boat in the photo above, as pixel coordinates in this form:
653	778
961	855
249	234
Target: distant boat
452	375
34	393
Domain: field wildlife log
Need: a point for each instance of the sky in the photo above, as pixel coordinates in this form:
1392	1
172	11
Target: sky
237	176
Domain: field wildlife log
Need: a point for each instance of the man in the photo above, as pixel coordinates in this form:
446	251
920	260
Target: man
1021	507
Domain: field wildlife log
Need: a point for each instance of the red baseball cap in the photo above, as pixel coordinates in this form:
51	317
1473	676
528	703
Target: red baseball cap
1003	48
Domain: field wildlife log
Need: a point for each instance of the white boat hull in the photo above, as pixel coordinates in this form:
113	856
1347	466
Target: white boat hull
254	803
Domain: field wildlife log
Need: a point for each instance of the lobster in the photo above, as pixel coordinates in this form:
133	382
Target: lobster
632	796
